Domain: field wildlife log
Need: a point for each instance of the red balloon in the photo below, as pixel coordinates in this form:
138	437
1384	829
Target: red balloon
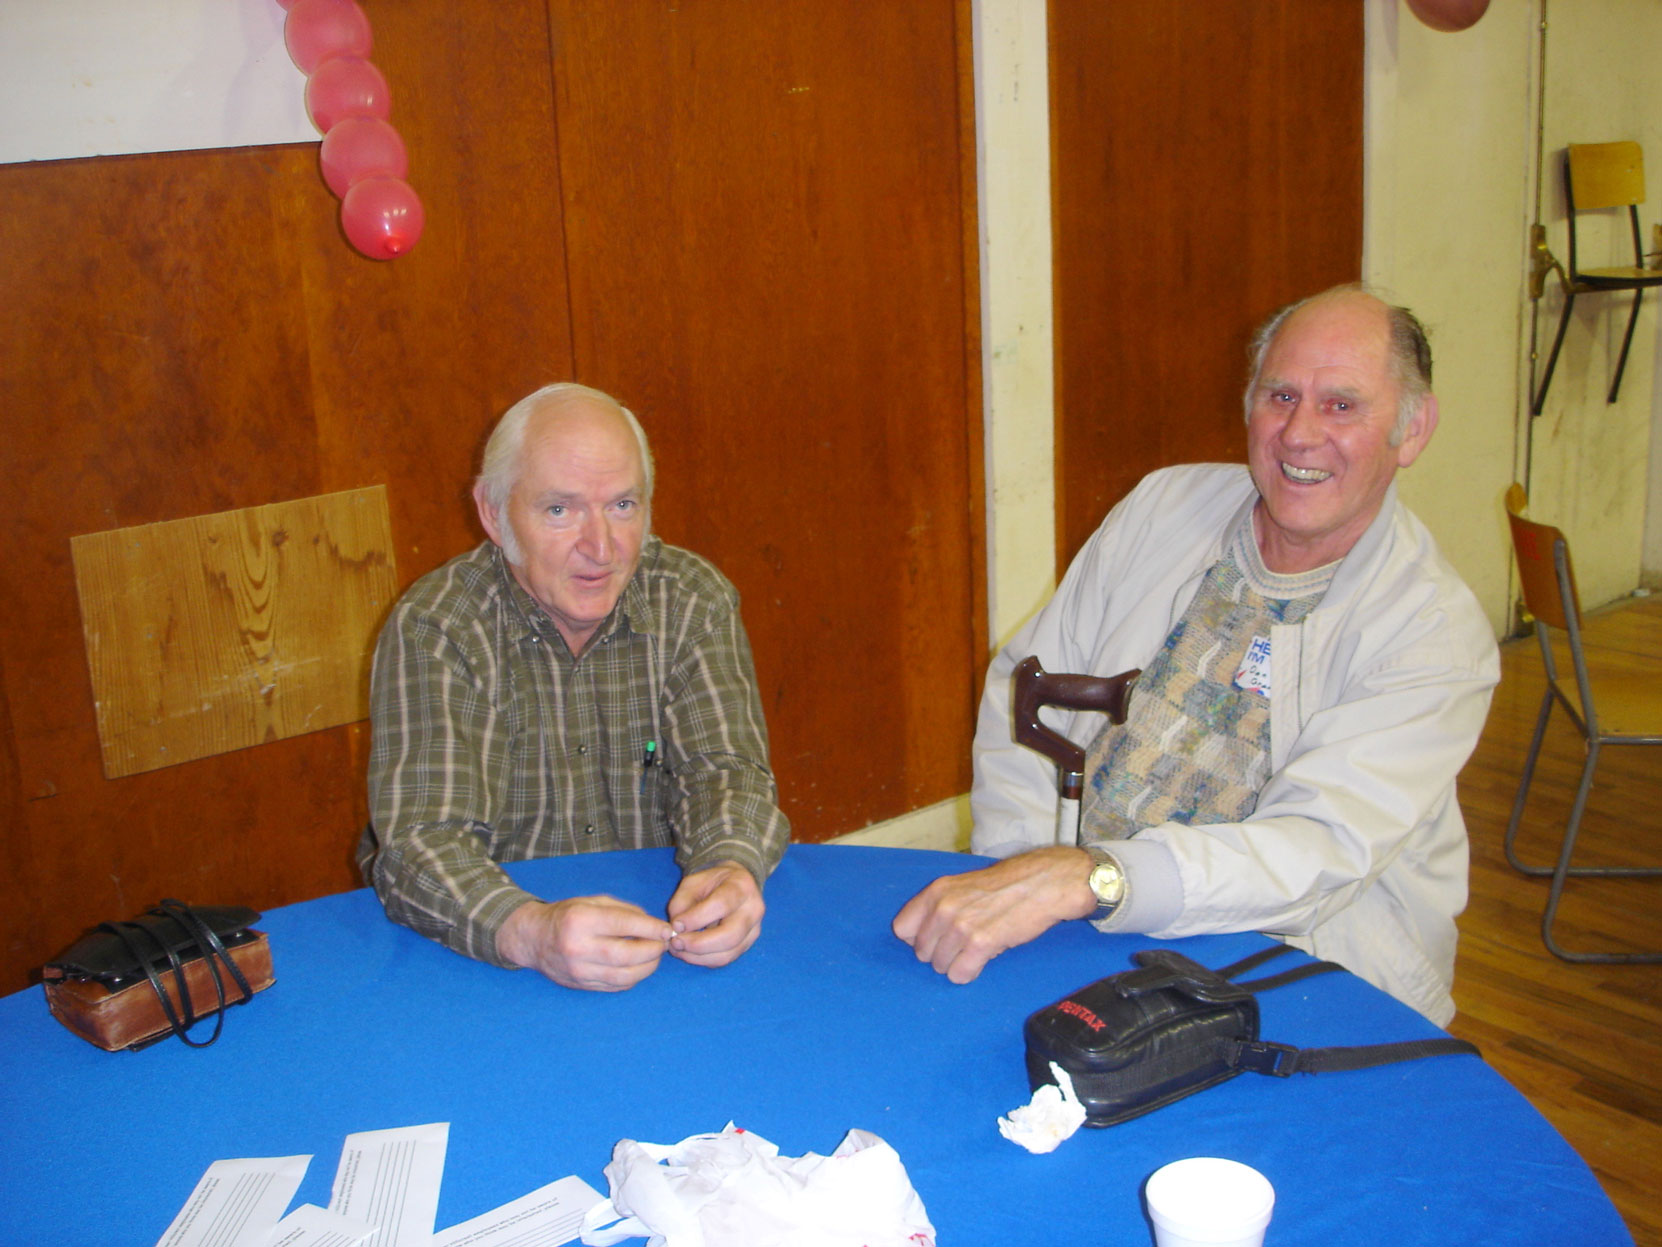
346	86
361	147
1449	15
382	217
315	30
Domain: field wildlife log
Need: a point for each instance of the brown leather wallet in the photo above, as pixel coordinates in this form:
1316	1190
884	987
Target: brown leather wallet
129	984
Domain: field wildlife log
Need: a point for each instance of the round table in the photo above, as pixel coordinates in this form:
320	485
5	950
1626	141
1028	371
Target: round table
828	1023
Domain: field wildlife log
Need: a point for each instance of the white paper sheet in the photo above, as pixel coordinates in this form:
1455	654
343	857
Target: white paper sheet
236	1202
548	1215
311	1226
99	77
390	1178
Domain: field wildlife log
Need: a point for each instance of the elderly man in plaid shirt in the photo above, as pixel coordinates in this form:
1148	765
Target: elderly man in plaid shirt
571	685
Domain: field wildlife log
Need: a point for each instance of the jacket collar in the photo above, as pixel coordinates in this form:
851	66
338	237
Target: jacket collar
1360	563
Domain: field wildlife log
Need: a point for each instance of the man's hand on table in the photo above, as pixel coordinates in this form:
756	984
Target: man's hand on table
717	914
961	922
597	943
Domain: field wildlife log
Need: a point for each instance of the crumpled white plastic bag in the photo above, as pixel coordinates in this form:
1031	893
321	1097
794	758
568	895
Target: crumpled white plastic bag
733	1189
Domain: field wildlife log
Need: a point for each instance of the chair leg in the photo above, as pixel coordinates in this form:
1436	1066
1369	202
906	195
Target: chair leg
1515	822
1540	399
1627	341
1563	872
1530	759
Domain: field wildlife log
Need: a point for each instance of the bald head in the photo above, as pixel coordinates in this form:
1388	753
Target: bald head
503	452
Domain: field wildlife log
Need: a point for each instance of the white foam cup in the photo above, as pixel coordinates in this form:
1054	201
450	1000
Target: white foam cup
1206	1201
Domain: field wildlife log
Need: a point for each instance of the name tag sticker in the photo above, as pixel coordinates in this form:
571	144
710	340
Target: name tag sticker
1254	675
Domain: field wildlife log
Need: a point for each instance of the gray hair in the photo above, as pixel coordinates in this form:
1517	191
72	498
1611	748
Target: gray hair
1410	354
500	467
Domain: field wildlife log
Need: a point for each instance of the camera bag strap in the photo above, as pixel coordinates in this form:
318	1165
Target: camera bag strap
1283	1060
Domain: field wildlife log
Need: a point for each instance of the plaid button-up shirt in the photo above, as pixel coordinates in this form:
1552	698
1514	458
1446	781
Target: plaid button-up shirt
492	743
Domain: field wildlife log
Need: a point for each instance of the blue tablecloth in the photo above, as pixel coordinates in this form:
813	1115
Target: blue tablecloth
828	1023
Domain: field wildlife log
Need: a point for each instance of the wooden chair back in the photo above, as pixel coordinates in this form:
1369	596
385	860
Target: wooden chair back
1606	175
1536	545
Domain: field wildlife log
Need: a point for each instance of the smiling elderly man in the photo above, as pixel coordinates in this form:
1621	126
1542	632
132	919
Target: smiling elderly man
1314	677
571	685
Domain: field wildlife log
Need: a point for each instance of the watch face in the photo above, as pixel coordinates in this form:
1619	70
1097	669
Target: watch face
1107	882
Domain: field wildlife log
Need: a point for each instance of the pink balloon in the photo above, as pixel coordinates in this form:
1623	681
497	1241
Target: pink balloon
382	217
346	86
315	30
361	147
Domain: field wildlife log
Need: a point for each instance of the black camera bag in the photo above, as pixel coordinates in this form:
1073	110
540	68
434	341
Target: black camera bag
1140	1039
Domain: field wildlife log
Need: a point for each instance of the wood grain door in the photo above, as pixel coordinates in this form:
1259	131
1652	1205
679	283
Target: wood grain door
1207	170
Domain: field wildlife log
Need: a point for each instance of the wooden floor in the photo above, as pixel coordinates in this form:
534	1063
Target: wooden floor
1583	1042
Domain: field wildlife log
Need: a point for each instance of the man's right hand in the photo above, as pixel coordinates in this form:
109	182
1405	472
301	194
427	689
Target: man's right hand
597	943
961	922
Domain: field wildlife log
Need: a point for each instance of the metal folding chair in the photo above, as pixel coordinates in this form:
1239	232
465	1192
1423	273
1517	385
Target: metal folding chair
1606	711
1599	176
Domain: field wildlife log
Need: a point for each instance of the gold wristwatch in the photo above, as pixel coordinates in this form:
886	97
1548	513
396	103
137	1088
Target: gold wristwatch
1107	881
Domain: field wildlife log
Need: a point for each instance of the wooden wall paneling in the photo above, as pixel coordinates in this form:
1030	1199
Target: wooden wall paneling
765	214
15	848
148	374
1207	170
185	333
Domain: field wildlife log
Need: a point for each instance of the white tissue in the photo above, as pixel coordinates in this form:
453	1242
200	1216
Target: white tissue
1053	1114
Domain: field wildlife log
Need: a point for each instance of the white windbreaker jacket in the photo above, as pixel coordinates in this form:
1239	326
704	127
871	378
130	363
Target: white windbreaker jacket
1356	851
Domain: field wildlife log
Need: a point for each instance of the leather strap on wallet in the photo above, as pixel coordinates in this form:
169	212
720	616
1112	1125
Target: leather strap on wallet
136	935
129	984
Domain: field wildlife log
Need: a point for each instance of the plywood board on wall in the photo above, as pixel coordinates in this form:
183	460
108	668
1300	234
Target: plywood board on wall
218	632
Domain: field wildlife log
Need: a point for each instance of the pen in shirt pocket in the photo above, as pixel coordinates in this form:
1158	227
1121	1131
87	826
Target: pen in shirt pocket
647	759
